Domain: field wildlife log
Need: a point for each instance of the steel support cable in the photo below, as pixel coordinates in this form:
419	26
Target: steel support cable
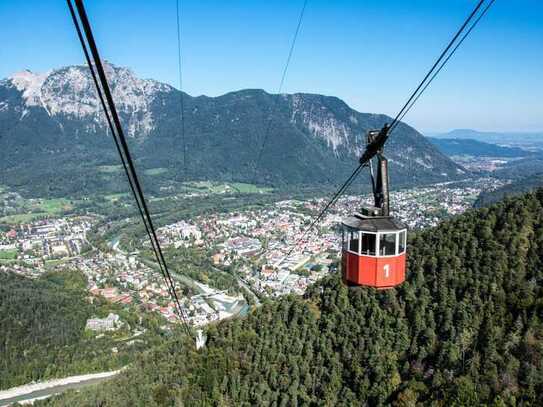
181	98
408	104
440	58
330	203
132	175
279	90
110	125
99	90
114	135
466	34
108	119
130	166
104	106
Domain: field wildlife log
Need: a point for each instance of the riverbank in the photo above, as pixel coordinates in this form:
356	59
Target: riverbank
30	392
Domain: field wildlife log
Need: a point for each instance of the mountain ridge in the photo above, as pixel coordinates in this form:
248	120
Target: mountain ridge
311	138
532	139
467	146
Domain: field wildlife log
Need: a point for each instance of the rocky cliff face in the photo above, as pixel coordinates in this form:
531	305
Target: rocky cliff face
70	92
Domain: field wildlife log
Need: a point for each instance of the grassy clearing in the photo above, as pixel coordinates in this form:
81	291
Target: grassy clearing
249	188
155	171
221	188
32	209
55	262
199	186
115	197
22	218
8	254
109	169
205	185
55	206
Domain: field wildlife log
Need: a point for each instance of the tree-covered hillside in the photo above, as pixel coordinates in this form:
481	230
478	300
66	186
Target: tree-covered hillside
452	147
516	187
465	329
42	330
58	144
37	319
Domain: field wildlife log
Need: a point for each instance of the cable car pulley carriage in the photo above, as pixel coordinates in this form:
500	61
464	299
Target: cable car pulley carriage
373	242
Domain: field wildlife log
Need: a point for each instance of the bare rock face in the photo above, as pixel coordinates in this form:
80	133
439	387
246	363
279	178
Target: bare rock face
70	91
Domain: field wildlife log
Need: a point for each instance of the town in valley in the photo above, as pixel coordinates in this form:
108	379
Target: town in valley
264	251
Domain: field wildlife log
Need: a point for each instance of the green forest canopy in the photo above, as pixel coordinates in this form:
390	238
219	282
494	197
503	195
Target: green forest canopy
42	329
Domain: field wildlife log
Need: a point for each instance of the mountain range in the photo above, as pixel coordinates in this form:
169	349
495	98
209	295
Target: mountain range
531	140
466	146
54	139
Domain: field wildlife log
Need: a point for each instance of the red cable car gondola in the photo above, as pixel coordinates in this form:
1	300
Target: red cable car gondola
373	242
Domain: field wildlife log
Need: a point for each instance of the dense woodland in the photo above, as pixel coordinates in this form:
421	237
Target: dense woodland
516	187
465	329
42	326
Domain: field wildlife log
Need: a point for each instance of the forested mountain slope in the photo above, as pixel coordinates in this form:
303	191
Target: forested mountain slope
465	329
54	139
454	147
42	330
516	187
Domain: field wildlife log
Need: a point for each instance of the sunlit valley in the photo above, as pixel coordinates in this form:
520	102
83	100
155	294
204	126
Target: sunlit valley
160	248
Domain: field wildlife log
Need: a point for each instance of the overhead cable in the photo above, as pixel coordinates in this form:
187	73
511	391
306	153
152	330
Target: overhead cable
181	97
466	34
106	99
428	78
279	90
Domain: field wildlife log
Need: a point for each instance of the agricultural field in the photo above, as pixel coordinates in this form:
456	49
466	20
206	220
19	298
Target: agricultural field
110	169
115	197
22	218
8	254
250	188
19	210
223	188
55	206
155	171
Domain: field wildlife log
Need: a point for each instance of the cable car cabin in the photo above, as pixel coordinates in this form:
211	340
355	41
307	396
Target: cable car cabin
373	251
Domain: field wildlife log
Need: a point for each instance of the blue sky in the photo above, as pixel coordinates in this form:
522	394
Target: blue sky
369	53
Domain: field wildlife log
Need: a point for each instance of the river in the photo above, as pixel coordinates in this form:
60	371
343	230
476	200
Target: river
30	392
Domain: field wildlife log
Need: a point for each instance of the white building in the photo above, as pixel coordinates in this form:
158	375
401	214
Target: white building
111	323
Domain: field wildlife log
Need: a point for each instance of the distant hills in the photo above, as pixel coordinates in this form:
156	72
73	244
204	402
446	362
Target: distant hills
521	139
53	138
466	146
516	187
522	154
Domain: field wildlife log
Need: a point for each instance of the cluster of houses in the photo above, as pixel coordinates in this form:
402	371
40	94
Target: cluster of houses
266	246
48	239
180	234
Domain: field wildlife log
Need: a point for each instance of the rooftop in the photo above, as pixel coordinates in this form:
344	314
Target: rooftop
373	224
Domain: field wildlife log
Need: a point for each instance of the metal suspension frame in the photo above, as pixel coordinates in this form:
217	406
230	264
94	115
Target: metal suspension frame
379	177
380	185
